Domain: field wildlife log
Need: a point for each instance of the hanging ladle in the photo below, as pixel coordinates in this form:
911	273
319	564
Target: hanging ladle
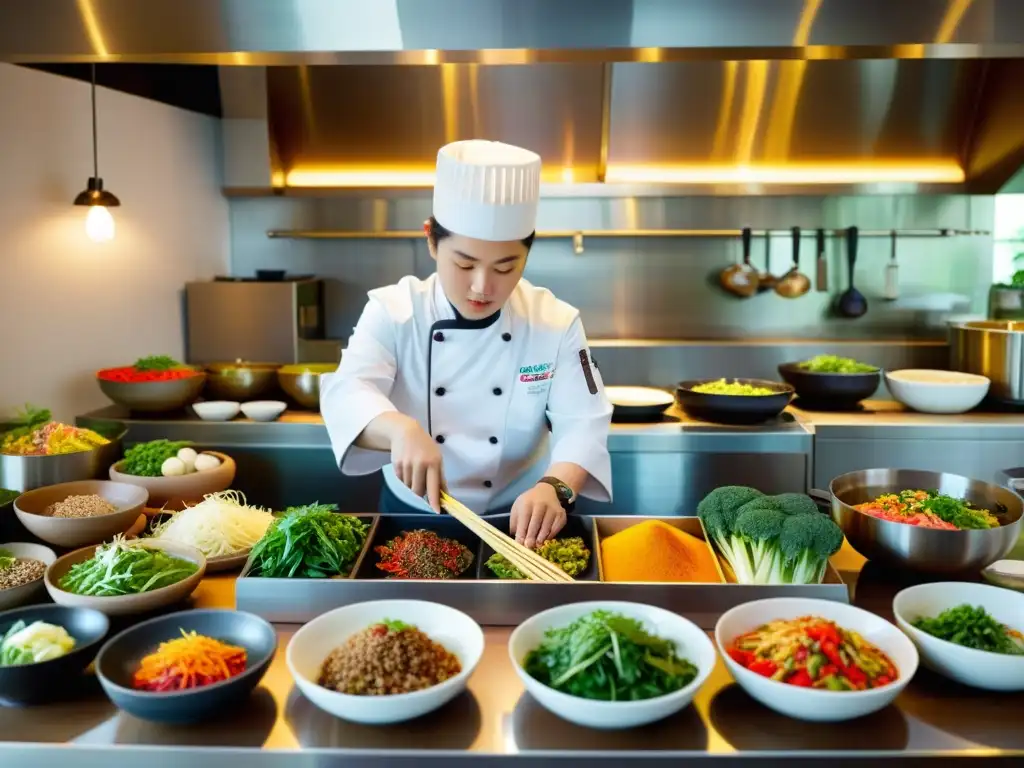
851	302
741	279
794	283
766	281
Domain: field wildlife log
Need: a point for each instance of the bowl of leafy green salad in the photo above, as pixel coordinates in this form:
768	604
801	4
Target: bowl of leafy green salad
611	665
829	382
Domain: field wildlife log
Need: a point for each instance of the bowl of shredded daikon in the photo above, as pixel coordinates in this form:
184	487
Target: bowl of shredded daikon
222	526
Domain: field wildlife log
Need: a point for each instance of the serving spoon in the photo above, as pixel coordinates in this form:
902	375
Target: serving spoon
794	283
851	302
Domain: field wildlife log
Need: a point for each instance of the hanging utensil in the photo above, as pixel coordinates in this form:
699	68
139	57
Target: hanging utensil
851	302
794	283
766	281
741	279
892	271
821	276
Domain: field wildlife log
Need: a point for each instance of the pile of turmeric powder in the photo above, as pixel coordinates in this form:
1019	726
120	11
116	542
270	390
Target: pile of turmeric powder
656	551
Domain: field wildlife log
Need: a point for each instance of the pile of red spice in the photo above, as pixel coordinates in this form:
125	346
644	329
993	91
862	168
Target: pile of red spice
423	554
155	368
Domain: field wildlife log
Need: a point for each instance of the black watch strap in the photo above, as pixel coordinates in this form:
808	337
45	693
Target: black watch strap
566	496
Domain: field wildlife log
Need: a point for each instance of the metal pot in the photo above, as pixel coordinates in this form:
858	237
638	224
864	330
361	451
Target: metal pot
925	549
26	473
994	349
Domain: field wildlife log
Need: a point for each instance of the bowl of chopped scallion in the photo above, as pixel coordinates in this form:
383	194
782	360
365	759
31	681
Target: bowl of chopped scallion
828	382
971	633
125	577
611	665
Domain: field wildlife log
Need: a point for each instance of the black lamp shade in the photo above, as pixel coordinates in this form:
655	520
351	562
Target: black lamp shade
95	194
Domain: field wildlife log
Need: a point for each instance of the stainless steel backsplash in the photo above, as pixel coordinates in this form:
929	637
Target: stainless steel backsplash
632	288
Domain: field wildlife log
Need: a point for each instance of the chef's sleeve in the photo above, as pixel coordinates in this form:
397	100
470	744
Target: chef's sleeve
360	390
580	414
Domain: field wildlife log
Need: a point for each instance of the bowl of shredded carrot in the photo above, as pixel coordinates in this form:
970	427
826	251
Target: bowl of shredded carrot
186	667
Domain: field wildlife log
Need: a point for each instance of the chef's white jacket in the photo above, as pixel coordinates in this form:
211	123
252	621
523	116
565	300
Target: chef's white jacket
485	390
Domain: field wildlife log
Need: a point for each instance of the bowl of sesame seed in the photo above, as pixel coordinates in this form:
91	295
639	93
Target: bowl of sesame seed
22	567
78	514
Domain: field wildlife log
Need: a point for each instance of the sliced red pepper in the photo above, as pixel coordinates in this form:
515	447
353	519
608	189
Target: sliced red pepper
800	678
741	657
882	680
855	676
764	667
801	654
831	652
827	670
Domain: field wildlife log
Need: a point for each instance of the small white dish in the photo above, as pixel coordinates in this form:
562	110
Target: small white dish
978	669
813	704
639	396
216	410
312	644
691	641
15	596
932	391
263	410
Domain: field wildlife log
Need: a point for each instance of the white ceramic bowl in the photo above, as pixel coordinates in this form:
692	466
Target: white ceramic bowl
931	391
692	643
311	645
813	704
216	410
263	410
980	669
15	596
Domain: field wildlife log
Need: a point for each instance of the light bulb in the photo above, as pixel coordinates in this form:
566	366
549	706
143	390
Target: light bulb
99	224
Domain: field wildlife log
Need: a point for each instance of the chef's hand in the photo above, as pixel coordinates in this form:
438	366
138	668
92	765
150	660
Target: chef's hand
537	515
416	459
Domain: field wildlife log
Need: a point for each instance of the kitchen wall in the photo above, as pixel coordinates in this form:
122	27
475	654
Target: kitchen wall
69	306
662	288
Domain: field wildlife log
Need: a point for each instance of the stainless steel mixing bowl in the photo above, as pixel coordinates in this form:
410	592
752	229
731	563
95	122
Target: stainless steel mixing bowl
925	549
25	473
240	380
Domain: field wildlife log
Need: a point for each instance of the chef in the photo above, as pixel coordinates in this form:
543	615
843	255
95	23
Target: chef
474	381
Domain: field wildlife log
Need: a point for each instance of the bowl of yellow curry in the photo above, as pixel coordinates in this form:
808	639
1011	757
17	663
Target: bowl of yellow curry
733	401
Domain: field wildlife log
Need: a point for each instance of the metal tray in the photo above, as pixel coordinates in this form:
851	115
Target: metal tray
493	602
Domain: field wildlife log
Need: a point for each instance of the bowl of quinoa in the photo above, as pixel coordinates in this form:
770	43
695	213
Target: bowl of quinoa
78	514
22	567
385	661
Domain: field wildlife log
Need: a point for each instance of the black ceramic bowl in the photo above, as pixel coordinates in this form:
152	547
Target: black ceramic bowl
830	391
48	680
120	657
734	409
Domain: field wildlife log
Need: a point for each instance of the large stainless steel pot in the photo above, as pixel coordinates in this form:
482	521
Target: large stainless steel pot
994	349
925	549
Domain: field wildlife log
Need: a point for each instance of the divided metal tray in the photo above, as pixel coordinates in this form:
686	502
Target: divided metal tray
493	602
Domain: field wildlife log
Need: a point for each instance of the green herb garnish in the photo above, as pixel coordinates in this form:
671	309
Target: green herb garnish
6	496
569	554
834	364
24	422
313	542
608	657
959	512
973	627
146	459
7	559
125	568
396	626
156	363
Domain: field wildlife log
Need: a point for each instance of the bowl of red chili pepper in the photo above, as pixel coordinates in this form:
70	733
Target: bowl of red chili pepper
154	384
815	660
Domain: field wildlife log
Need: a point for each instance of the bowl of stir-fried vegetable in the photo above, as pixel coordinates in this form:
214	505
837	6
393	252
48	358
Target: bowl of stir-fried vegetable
971	633
36	450
935	522
827	382
815	660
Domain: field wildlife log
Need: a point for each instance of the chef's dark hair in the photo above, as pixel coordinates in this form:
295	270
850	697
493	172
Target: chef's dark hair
436	232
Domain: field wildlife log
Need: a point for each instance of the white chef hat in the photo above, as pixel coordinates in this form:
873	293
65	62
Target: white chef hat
487	190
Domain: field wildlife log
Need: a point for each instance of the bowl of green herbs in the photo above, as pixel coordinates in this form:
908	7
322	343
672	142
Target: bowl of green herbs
970	633
830	382
611	665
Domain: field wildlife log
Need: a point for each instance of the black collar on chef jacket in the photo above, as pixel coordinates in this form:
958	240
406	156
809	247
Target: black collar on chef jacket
437	334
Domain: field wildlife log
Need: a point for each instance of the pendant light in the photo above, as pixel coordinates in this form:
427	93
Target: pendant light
99	224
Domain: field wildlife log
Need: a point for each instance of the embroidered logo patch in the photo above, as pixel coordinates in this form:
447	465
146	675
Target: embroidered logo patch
540	372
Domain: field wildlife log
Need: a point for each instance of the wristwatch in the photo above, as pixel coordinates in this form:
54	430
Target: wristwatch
566	496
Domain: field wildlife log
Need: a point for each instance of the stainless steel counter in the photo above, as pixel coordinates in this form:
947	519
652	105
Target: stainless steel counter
497	723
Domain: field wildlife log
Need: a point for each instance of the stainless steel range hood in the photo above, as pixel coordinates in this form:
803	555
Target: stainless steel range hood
619	96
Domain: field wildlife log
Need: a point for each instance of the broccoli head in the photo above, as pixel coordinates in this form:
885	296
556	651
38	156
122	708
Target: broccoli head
719	508
758	526
807	542
797	504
